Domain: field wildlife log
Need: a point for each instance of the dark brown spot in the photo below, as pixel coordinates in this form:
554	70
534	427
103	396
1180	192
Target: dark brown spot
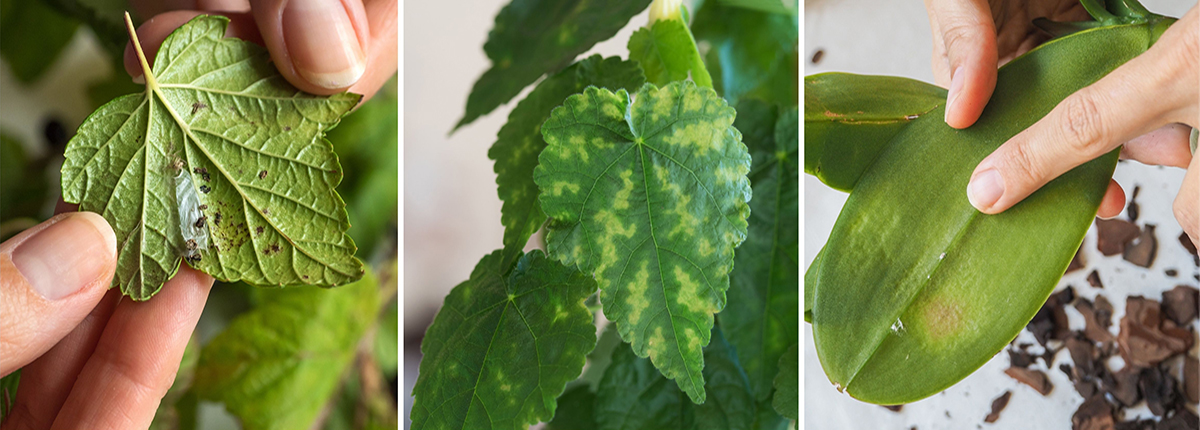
266	211
287	128
205	189
262	174
200	221
190	244
304	276
816	58
197	106
217	219
258	230
203	207
274	247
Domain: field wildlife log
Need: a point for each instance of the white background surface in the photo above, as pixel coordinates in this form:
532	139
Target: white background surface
892	37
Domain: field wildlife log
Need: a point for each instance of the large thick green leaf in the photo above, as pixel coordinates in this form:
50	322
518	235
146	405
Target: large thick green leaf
31	36
756	52
252	148
787	384
535	37
520	140
762	316
277	366
850	119
634	396
668	53
504	346
650	195
916	289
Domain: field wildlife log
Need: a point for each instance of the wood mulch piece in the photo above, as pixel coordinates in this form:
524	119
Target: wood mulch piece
1146	338
1181	304
1094	279
1143	250
997	406
1033	378
1113	234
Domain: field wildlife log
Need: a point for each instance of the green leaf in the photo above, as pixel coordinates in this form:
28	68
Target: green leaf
520	140
535	37
252	149
31	37
649	195
277	366
367	145
916	288
769	6
787	385
667	51
850	119
757	52
576	410
504	346
104	17
8	393
633	396
811	280
385	347
763	291
22	181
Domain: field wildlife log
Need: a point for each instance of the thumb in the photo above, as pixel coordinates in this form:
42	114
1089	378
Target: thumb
965	37
319	45
51	277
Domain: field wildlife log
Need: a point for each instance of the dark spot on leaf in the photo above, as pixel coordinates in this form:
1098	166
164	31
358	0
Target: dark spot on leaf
304	276
287	128
205	189
217	219
200	221
266	211
258	230
203	207
190	244
262	174
197	106
274	247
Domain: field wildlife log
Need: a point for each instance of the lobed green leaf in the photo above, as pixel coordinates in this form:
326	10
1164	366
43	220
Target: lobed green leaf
634	396
520	141
668	53
277	366
252	144
649	195
504	345
534	37
762	315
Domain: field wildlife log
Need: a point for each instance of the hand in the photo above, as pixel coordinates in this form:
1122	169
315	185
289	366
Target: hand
320	46
1144	104
89	358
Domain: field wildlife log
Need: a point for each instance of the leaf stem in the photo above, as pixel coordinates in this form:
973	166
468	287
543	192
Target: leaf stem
137	46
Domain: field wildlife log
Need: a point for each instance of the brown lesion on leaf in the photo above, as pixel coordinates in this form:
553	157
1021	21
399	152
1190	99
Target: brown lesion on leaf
205	189
271	250
200	221
258	230
197	106
262	174
942	316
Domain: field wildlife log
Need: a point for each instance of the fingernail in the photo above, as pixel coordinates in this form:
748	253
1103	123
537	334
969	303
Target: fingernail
985	189
956	83
66	256
322	43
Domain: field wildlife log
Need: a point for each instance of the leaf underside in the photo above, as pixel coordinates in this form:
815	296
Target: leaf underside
504	345
277	366
519	142
650	196
255	150
762	315
927	290
534	37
